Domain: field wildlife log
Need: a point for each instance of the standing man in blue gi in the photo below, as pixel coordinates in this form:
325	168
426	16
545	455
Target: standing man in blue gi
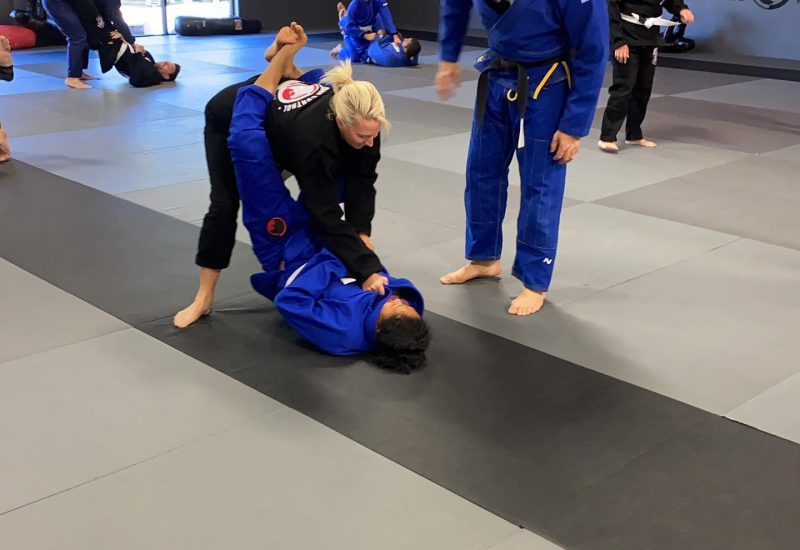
537	95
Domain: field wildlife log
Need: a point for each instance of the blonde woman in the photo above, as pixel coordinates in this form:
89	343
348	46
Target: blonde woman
326	133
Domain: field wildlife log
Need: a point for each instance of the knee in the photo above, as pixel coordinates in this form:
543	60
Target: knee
77	39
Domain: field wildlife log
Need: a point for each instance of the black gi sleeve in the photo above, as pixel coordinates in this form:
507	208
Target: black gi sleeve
359	191
615	24
143	71
316	178
675	7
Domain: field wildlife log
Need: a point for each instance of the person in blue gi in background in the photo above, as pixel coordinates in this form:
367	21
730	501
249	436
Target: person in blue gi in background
383	49
537	94
310	286
361	23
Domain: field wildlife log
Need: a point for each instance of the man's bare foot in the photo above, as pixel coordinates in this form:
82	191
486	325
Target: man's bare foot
285	36
5	52
473	270
87	76
527	302
642	143
608	146
335	51
5	149
77	84
185	317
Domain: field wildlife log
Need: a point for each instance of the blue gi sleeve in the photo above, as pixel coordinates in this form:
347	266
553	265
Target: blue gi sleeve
330	325
586	22
453	23
383	11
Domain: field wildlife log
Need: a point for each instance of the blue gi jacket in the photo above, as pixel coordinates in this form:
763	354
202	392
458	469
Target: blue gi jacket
332	311
538	30
362	17
383	52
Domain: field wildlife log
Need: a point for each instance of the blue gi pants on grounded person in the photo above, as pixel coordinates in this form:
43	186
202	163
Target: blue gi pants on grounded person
562	95
310	287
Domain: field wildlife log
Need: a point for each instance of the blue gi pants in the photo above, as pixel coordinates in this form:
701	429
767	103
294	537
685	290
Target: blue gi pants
69	24
278	224
492	145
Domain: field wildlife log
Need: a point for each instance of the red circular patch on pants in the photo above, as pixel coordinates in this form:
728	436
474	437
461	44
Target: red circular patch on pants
276	227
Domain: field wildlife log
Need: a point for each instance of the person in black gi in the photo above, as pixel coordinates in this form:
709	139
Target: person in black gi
634	33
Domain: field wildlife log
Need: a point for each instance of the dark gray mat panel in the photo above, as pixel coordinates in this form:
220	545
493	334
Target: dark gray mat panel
132	262
718	485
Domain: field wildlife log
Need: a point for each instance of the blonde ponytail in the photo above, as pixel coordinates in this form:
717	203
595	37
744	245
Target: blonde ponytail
354	98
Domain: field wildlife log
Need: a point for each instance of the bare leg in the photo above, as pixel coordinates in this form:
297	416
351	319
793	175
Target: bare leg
473	270
608	146
5	53
649	144
283	62
77	84
527	302
5	149
202	301
285	36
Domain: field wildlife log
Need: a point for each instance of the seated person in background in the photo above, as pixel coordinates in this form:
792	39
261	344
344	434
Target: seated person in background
131	61
371	37
6	73
310	286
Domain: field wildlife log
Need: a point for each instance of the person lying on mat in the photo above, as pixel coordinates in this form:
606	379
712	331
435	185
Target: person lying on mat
379	46
131	60
310	286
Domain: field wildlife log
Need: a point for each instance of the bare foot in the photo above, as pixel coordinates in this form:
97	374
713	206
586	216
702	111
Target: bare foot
5	149
185	317
473	270
527	302
335	51
341	9
77	83
87	76
285	36
5	53
608	146
642	143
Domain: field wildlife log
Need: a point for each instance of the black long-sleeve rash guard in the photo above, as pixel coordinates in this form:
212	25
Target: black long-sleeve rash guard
306	141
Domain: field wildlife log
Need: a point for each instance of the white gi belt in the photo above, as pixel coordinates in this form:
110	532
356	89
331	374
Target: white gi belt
648	21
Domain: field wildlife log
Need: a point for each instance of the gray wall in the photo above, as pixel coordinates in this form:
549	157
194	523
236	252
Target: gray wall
740	27
315	15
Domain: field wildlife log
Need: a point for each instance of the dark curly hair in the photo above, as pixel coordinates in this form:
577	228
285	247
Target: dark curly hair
413	48
401	344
